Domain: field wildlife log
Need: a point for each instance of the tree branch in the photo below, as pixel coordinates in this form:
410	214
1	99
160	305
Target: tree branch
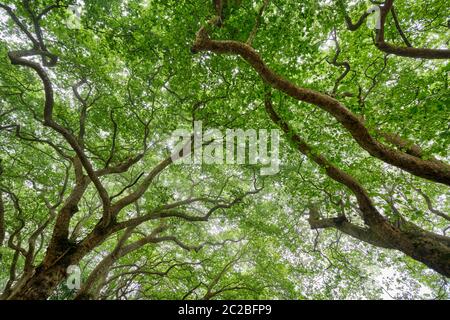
419	167
252	34
342	224
410	52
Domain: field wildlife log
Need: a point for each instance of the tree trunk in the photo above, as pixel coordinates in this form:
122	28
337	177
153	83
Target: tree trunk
41	284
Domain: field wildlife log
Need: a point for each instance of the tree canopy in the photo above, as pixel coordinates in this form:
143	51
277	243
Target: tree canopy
91	92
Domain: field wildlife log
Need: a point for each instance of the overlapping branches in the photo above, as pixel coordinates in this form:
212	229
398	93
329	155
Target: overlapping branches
438	172
407	51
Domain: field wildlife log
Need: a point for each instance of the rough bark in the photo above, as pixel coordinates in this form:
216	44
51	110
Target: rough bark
45	278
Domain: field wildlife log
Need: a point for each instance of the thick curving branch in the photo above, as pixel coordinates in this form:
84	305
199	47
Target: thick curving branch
39	49
430	170
414	242
17	58
342	224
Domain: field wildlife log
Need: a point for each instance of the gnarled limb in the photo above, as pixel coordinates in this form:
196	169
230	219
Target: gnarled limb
342	224
422	168
410	52
380	43
348	20
432	250
16	58
334	62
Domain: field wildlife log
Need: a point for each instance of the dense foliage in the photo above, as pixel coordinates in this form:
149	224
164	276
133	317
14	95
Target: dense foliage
359	208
